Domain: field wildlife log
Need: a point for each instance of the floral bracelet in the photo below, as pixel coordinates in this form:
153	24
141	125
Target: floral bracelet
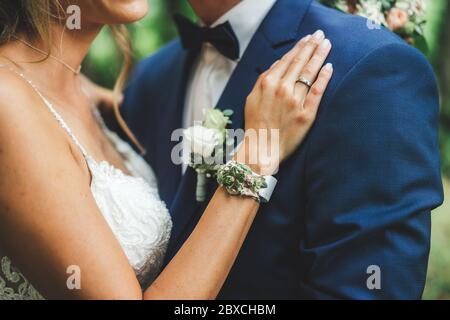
239	179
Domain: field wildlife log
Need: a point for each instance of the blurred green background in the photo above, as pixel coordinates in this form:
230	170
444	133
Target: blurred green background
157	28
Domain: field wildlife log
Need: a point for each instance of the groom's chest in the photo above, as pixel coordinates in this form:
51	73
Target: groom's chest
206	84
190	85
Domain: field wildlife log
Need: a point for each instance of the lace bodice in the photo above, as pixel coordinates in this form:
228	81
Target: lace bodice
130	205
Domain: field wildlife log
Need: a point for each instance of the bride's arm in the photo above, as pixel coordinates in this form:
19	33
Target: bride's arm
49	219
201	266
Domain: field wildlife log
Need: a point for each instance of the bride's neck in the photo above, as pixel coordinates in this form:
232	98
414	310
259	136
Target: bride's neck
70	46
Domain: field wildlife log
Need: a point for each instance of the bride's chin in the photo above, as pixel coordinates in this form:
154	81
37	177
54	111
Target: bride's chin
133	11
123	12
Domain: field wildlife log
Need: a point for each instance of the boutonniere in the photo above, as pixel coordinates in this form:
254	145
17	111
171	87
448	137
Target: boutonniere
205	145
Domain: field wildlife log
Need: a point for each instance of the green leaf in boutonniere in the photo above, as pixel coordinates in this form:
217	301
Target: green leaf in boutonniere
217	120
228	113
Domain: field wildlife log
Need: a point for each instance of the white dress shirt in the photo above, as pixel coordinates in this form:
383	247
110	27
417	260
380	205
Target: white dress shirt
212	70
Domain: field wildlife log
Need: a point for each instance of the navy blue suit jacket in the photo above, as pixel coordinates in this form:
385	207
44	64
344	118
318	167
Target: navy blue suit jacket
357	193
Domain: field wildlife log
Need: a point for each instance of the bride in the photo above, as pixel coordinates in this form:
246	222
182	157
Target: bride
74	196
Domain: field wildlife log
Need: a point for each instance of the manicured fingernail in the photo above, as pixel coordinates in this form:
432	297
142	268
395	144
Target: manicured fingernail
319	35
325	44
329	67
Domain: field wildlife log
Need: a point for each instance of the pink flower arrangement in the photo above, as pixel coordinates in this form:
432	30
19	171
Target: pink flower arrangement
404	17
397	18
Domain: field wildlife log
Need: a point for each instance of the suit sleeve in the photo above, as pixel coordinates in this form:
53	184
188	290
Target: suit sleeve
373	177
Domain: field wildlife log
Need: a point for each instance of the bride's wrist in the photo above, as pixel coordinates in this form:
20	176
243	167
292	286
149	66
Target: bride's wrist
258	161
252	180
244	158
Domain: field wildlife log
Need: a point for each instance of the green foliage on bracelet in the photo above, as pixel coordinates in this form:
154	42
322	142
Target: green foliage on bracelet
239	179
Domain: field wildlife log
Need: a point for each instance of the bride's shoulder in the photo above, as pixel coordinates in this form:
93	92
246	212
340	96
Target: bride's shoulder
15	92
17	97
23	117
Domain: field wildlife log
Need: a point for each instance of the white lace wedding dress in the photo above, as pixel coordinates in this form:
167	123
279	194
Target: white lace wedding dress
130	205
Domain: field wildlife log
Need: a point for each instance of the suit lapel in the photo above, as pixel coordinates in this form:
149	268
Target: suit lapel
244	78
270	42
274	37
180	190
169	120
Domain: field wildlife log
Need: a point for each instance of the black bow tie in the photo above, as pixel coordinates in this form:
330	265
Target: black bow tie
221	37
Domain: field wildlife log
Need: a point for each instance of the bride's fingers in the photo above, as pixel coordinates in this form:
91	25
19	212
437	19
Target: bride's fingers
269	83
303	57
317	91
311	69
279	68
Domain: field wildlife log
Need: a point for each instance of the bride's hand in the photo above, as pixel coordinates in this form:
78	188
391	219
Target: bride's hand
279	101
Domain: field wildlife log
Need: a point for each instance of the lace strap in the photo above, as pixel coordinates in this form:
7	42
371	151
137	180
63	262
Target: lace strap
50	107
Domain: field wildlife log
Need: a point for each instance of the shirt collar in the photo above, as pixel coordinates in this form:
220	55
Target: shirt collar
245	19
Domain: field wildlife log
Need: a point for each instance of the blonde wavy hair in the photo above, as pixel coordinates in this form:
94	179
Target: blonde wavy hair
34	18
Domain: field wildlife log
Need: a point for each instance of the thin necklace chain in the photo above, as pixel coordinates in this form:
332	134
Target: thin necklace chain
75	71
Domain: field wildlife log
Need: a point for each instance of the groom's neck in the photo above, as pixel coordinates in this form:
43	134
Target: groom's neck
211	10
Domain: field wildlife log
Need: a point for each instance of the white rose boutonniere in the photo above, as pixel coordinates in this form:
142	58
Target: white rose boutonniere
204	145
201	140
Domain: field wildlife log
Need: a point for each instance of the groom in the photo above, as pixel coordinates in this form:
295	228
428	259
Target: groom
350	217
